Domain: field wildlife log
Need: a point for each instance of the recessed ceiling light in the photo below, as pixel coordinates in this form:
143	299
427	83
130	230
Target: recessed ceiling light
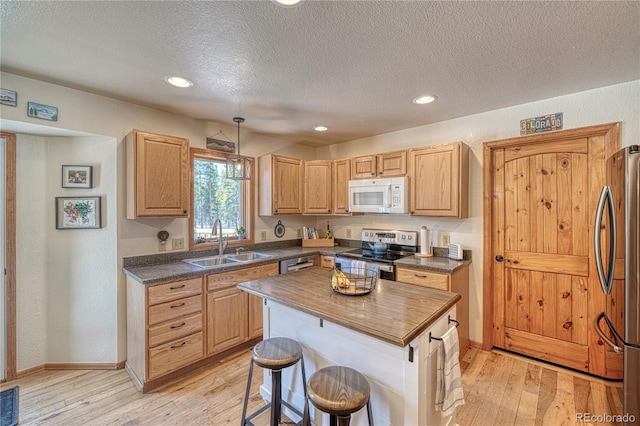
424	99
287	3
320	128
177	81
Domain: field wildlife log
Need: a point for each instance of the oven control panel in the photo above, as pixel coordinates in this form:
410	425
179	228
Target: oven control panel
404	238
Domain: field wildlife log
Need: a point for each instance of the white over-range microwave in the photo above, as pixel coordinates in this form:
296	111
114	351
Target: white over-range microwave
385	195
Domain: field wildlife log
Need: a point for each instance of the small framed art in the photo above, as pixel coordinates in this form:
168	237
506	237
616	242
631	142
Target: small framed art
77	176
78	213
44	112
8	97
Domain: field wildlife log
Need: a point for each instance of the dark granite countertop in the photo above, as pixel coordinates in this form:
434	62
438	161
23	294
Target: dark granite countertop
177	269
435	263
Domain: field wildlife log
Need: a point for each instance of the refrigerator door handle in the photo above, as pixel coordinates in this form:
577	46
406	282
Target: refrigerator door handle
596	324
606	282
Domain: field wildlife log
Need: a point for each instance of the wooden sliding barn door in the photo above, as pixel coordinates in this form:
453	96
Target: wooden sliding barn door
544	295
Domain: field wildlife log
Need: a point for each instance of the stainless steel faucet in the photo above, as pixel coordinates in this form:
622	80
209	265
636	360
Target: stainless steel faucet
238	250
222	244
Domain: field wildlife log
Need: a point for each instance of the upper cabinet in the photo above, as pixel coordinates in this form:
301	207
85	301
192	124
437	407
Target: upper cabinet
392	164
389	164
340	185
279	185
157	173
317	187
363	167
440	180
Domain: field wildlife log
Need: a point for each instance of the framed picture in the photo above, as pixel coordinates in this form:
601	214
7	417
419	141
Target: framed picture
77	176
45	112
8	97
78	213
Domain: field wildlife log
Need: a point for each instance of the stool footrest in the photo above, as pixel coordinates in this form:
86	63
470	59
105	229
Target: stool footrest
267	406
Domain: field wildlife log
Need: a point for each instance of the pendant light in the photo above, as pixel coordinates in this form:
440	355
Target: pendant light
238	168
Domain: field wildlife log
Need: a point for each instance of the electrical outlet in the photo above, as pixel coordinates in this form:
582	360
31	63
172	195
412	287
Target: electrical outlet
263	235
162	246
446	239
299	232
348	232
177	243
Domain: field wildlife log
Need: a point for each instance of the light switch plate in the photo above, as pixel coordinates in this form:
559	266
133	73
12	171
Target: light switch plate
162	246
177	243
263	235
348	232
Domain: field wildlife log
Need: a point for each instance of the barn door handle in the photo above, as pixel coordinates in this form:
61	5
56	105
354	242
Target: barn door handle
500	258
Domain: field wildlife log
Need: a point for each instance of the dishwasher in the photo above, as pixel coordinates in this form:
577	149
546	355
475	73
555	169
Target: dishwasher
295	264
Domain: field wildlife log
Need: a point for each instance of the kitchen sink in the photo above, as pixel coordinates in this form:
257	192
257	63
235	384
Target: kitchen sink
209	262
245	257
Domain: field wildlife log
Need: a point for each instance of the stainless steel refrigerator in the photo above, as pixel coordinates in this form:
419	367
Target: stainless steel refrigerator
619	212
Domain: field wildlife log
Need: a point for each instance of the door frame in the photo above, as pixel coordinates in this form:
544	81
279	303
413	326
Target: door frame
10	254
609	132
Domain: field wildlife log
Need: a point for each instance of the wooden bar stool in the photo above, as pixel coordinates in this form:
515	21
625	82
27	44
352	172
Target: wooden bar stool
274	354
338	391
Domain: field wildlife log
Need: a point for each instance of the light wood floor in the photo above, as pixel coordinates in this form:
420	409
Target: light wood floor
500	389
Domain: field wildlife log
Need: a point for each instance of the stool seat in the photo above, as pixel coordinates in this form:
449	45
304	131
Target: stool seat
277	353
338	390
274	354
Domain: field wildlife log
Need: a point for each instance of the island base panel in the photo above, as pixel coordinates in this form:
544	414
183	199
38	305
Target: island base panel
402	392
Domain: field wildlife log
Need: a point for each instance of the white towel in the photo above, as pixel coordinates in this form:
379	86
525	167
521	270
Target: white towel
358	267
449	393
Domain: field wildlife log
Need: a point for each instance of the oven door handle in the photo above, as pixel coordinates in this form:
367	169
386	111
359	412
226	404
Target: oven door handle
596	324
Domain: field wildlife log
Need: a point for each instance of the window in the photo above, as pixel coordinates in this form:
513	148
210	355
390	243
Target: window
213	196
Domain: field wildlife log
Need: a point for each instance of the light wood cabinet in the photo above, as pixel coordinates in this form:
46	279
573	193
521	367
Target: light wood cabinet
363	167
440	180
317	187
325	261
388	164
280	185
157	175
234	316
456	282
392	164
164	328
340	185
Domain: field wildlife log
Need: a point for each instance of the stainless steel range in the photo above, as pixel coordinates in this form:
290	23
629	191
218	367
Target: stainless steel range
382	248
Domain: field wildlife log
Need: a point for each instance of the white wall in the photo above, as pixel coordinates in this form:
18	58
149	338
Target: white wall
609	104
62	341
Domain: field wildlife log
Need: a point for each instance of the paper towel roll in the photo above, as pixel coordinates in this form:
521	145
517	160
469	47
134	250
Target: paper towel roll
425	244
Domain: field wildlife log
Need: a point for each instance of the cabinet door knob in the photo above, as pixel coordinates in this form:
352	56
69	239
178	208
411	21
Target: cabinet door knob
184	211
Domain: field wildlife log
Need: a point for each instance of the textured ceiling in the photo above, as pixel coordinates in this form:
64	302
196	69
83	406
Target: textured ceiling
353	66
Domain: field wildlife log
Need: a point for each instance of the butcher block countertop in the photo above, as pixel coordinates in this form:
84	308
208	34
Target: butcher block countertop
393	312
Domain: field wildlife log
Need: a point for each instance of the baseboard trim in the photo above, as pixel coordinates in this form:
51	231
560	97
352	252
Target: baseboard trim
475	344
69	366
84	366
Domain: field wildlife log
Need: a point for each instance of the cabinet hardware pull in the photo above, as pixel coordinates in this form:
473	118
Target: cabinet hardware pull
178	346
177	306
173	327
176	287
420	276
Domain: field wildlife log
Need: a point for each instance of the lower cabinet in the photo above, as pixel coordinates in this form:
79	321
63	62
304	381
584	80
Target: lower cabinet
455	282
164	328
325	261
234	316
174	325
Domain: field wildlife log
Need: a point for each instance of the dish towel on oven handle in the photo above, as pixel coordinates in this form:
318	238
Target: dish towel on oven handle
359	267
449	393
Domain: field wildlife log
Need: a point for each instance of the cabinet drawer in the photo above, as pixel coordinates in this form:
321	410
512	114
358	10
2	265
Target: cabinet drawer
174	309
175	354
423	278
176	329
174	290
232	278
327	261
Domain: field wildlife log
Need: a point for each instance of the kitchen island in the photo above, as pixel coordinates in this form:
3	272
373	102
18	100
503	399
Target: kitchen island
385	335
